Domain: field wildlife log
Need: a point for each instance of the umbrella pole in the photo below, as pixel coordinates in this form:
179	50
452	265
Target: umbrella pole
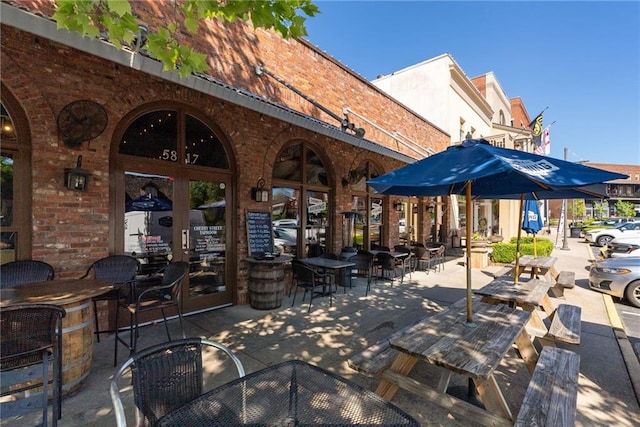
468	244
516	272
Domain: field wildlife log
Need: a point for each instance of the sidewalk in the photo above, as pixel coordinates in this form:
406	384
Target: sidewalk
327	337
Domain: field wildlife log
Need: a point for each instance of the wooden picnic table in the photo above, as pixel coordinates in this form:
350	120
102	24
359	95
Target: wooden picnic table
447	341
530	295
539	266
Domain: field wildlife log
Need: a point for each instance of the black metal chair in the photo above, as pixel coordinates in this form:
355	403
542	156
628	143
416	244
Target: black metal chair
17	273
422	257
388	266
311	281
363	268
164	378
30	341
140	299
407	263
116	269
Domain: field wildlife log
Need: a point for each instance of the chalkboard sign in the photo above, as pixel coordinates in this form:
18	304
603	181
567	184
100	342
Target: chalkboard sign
259	233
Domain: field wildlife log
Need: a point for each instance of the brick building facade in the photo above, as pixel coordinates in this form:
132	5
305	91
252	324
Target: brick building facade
254	117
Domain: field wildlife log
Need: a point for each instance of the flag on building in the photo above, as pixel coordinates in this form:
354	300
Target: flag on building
546	142
536	130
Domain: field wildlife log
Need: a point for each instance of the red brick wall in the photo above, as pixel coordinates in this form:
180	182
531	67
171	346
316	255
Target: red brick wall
71	229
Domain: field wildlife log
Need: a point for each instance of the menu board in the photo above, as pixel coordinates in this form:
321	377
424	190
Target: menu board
259	233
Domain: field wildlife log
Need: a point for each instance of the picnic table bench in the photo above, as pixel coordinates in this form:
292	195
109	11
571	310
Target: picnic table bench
550	399
553	383
565	319
564	279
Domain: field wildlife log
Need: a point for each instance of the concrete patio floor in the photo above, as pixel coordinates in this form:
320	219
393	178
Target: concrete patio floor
327	337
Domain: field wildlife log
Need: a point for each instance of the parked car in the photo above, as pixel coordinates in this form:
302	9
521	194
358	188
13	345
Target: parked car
619	277
622	247
285	239
285	223
602	236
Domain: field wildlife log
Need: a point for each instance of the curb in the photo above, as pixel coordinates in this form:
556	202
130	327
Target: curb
631	360
628	354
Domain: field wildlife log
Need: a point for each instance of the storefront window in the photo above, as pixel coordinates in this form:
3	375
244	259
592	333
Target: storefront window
300	224
370	218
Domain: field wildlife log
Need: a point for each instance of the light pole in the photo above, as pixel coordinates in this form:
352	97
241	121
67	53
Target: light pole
565	243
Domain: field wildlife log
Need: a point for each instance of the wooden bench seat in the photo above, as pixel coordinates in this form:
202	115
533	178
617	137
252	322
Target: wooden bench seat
507	270
565	326
550	399
565	279
374	360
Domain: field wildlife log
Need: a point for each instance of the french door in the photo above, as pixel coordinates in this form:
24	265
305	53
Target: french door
172	193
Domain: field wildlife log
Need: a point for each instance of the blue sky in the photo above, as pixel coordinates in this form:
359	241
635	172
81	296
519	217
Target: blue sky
581	59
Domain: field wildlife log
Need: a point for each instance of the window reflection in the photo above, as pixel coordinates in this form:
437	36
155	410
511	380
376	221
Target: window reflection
154	135
203	148
6	190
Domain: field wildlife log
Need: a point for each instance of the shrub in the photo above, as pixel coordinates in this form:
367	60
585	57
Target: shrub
505	253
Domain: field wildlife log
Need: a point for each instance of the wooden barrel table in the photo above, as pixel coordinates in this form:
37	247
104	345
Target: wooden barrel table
74	295
266	282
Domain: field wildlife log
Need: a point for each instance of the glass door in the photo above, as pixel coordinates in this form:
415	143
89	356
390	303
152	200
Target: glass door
204	241
161	225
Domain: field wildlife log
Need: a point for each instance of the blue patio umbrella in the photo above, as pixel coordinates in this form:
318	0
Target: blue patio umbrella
477	169
148	204
532	221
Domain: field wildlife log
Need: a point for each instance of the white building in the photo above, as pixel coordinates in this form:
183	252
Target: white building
440	91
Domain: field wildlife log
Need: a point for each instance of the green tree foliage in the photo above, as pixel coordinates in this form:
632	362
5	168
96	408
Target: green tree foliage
576	208
598	210
115	19
625	209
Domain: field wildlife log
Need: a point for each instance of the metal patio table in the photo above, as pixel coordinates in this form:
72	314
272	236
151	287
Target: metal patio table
293	393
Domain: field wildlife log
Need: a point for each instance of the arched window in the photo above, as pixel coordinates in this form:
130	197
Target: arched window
501	117
300	201
15	185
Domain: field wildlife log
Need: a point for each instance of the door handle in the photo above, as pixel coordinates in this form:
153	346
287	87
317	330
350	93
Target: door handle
185	239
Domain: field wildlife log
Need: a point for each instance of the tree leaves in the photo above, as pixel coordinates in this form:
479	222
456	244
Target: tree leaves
114	19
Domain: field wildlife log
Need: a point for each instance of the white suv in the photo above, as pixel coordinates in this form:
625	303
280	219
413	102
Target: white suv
602	236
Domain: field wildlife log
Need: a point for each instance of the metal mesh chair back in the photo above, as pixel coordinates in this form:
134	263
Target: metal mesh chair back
173	275
386	261
31	339
148	298
16	273
310	280
114	269
363	268
164	378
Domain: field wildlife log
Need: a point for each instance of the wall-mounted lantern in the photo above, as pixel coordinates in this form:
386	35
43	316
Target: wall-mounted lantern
76	178
259	193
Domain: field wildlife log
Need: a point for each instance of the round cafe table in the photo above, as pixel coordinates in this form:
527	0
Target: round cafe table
74	295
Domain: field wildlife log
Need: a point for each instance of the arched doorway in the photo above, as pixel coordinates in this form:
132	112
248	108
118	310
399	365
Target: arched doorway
15	174
173	200
300	208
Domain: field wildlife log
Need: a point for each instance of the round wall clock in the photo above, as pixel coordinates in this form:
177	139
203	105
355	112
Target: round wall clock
81	121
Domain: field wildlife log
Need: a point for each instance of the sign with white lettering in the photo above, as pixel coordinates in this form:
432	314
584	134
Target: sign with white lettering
259	232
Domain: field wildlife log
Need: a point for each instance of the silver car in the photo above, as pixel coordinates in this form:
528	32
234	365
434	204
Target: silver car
619	277
623	247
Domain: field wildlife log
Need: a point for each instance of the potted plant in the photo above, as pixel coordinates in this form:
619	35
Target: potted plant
477	240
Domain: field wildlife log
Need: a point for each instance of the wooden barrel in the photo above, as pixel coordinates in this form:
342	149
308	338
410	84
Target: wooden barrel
77	344
266	285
